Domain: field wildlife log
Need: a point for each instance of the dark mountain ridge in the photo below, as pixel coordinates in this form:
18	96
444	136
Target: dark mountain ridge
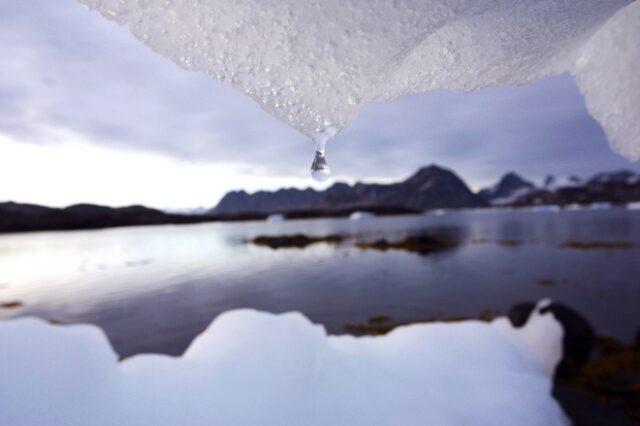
17	217
431	187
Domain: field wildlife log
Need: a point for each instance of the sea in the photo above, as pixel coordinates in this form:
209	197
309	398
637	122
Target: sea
154	288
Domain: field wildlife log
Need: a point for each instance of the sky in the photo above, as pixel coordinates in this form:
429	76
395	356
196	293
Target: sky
89	114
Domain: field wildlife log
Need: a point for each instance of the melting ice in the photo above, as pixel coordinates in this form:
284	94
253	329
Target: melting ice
311	63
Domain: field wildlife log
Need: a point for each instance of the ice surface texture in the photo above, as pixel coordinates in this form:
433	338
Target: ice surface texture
252	368
313	64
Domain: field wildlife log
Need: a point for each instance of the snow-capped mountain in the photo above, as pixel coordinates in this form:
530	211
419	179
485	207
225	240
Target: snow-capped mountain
510	188
620	177
617	187
552	183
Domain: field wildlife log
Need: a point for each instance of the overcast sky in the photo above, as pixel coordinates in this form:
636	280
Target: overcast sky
89	114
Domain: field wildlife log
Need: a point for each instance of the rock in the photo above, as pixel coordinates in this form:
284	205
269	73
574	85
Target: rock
11	305
579	337
294	241
422	244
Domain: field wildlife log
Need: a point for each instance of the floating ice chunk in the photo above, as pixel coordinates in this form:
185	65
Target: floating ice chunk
314	64
253	368
276	218
360	215
634	206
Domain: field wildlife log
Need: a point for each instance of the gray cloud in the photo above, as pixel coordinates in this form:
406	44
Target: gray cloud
66	67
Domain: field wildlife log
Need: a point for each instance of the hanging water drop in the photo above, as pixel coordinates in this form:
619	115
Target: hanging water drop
320	170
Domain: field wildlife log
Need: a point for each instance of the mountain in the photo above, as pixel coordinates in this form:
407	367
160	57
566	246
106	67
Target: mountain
429	188
618	187
288	199
508	189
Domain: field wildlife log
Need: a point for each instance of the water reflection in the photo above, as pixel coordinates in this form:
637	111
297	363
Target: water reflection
155	288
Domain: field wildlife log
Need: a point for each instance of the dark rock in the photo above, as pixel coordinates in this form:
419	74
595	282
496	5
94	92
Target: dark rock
293	241
579	337
423	244
11	305
597	245
585	409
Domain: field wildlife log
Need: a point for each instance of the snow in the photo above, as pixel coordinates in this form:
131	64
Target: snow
513	196
256	368
553	183
541	338
315	64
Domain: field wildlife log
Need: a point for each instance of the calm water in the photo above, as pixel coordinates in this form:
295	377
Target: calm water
153	289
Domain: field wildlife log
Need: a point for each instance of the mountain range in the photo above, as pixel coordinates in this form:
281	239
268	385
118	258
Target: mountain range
434	187
430	188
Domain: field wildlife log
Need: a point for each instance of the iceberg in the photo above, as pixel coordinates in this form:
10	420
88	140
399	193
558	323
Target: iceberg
315	64
256	368
361	215
275	218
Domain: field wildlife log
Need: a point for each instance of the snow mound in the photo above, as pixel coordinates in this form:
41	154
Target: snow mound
253	368
314	64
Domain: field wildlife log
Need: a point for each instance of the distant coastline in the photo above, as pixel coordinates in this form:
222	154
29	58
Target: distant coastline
434	188
431	188
15	217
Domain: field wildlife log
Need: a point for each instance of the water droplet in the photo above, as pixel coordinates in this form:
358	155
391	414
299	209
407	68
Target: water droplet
320	170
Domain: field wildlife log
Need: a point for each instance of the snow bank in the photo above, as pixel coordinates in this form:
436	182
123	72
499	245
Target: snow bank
254	368
314	64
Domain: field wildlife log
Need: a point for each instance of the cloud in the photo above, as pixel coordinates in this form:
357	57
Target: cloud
67	67
66	70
